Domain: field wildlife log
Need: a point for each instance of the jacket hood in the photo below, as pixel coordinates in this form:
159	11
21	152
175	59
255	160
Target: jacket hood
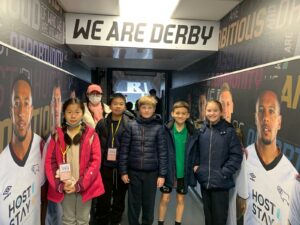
129	114
156	118
125	117
88	132
222	125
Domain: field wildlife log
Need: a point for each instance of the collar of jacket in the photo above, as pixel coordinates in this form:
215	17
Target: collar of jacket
188	123
155	118
59	135
221	126
129	114
124	119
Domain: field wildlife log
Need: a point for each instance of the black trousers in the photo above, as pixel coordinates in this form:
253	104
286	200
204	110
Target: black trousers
215	204
141	196
110	206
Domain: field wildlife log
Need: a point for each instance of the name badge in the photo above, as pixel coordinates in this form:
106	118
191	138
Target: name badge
65	171
112	154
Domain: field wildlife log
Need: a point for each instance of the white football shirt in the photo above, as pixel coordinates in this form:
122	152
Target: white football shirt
20	186
240	189
269	190
294	217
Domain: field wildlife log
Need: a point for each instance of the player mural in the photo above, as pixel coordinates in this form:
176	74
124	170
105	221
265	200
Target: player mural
31	93
266	108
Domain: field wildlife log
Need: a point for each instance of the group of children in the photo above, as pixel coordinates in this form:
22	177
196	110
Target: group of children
84	165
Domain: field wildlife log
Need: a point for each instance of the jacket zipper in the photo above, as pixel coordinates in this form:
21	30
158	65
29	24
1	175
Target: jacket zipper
186	156
174	164
209	157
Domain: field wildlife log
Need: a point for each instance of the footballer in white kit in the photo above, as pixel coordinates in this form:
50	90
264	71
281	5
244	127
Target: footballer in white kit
240	189
294	217
20	185
269	189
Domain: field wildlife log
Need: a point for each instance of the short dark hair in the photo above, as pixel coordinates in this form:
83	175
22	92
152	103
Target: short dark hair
116	95
152	91
129	105
262	93
21	77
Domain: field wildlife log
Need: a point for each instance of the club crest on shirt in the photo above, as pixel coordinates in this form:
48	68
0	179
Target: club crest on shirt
35	168
283	195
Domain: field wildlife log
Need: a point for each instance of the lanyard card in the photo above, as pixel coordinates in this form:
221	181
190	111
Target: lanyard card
65	171
112	154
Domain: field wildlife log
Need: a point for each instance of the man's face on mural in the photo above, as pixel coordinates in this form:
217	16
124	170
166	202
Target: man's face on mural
227	104
201	106
56	106
267	117
21	109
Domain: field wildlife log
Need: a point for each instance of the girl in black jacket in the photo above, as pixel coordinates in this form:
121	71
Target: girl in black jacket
219	156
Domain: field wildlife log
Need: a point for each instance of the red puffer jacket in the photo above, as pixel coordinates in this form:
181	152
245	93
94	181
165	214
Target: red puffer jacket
90	183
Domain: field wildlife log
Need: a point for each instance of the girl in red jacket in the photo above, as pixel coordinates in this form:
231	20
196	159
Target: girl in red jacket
72	165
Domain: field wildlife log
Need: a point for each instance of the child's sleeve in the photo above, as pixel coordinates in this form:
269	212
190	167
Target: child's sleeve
235	156
124	150
162	153
100	131
196	151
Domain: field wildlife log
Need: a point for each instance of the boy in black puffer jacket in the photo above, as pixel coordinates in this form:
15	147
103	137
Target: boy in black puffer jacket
109	207
143	161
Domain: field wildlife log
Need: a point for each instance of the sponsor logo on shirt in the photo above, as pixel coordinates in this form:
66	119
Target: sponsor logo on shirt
21	205
264	209
252	177
7	192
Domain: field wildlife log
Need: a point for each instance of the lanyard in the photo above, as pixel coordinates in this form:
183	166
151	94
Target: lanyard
64	152
114	133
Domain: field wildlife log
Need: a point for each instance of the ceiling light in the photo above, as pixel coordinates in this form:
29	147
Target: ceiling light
132	53
147	9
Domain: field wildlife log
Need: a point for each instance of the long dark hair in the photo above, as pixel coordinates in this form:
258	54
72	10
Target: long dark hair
76	139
